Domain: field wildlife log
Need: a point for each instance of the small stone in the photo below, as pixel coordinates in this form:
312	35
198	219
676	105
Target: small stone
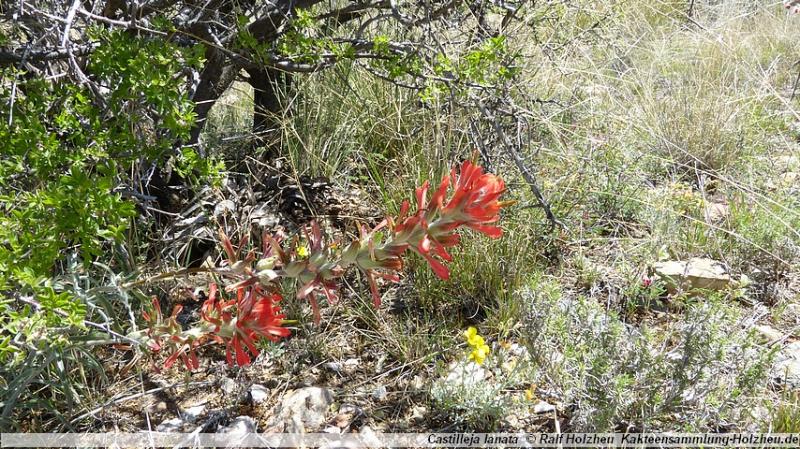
543	407
240	424
224	208
418	413
258	393
696	273
768	334
351	409
518	350
301	410
336	367
793	311
346	367
170	425
158	407
466	374
351	364
191	414
332	429
787	365
717	212
380	393
369	437
228	385
347	414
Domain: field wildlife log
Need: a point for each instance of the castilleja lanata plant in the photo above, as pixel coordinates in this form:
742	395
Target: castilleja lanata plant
248	310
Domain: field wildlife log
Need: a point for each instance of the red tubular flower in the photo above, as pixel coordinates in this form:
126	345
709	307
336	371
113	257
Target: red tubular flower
474	203
258	316
186	351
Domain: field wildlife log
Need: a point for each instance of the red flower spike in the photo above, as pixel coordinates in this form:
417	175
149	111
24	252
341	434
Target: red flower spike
253	314
257	317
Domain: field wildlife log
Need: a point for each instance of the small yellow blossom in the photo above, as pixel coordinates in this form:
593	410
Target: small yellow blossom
478	355
470	332
480	350
529	395
302	251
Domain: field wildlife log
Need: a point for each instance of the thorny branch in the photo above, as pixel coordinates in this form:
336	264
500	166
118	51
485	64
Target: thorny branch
511	150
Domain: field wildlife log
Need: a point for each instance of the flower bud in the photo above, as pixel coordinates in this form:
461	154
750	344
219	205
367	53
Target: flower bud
266	263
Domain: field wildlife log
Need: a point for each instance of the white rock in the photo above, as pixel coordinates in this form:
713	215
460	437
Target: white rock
348	366
696	273
351	409
793	311
518	350
240	425
258	393
239	429
543	407
419	413
369	437
466	374
716	212
352	363
768	333
301	410
170	425
191	414
787	365
380	393
228	385
223	208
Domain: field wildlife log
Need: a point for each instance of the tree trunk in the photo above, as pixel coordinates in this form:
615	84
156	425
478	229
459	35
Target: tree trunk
270	88
215	78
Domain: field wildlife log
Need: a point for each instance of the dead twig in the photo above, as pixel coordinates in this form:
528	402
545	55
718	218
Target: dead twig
529	177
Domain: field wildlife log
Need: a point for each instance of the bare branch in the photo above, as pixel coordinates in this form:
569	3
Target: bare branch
14	57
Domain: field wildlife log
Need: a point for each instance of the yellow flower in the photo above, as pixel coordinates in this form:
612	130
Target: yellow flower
479	348
473	339
302	251
479	354
529	395
470	332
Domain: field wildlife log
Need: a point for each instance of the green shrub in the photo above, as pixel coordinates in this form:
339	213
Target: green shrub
63	159
699	372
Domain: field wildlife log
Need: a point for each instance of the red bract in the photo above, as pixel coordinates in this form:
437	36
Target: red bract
167	334
186	351
241	322
474	203
431	230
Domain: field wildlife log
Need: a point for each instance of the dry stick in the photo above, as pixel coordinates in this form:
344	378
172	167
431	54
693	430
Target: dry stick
171	275
526	173
68	23
796	81
134	396
51	54
132	25
14	90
